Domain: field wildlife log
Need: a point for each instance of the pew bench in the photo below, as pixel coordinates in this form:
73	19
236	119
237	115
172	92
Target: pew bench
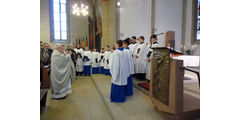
43	97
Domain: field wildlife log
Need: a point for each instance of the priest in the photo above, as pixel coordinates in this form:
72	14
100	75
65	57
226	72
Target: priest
154	44
61	73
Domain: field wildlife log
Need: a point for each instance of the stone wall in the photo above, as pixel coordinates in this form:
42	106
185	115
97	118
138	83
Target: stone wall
78	25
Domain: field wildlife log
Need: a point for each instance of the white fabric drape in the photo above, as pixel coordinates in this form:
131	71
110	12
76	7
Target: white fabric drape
93	58
61	74
140	65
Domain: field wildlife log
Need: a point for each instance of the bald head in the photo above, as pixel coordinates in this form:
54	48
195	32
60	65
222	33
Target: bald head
59	47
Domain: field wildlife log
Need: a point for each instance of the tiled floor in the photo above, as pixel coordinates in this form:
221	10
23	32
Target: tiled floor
84	103
90	100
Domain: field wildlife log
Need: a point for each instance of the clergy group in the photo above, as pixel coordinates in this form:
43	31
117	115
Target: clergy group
126	59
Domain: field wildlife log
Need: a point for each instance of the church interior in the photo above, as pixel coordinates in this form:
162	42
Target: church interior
84	27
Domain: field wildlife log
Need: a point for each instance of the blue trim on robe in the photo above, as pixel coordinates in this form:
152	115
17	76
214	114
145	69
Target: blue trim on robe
95	70
129	86
86	70
121	49
87	59
107	72
127	48
102	70
117	93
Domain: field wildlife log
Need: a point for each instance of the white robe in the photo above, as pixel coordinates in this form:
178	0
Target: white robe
148	69
101	60
61	74
94	56
140	65
88	54
132	48
79	65
78	50
106	58
118	67
130	61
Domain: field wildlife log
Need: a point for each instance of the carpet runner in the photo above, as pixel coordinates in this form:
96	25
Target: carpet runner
144	85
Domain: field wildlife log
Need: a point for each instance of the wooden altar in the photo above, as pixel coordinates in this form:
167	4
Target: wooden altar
166	87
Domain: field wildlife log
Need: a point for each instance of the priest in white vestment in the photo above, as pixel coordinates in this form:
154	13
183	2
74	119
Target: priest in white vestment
129	87
140	55
100	59
106	60
61	73
154	44
95	63
119	75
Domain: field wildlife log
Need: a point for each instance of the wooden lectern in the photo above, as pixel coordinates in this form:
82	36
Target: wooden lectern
166	87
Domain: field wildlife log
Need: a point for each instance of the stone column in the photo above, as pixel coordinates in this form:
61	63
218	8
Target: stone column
109	22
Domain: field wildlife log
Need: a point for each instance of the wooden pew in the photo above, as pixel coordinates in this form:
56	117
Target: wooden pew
45	84
43	96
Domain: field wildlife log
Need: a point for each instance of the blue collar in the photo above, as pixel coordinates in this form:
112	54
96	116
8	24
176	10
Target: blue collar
121	49
108	50
102	52
127	48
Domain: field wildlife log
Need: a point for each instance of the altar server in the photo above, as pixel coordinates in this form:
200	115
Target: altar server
154	44
140	55
132	48
106	60
79	65
119	76
100	59
61	72
86	62
129	87
95	63
133	44
78	49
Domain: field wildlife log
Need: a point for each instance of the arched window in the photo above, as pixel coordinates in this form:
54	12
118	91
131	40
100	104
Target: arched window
59	20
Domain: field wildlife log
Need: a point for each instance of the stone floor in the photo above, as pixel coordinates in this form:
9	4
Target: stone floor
90	100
